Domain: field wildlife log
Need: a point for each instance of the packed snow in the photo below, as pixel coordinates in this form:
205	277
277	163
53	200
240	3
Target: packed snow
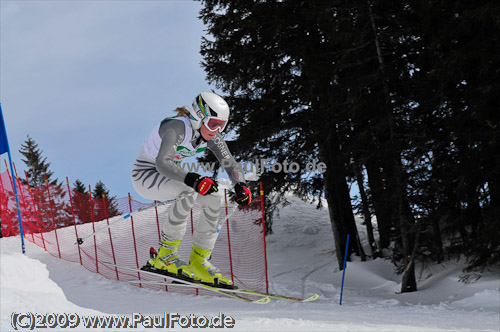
301	261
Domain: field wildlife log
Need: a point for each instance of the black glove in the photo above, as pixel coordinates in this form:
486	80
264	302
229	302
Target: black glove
243	194
201	184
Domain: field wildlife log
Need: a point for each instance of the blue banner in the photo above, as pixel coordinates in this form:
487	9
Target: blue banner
4	145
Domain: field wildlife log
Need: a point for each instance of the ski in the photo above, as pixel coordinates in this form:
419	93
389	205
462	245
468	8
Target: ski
311	298
221	291
242	291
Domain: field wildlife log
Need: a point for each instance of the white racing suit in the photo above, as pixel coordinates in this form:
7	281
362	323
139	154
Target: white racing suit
157	175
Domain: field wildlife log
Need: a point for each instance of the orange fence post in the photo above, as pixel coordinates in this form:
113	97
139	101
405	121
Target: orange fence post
264	232
109	231
8	222
93	228
74	220
25	209
229	239
8	173
4	220
133	236
53	218
39	222
159	233
12	185
192	231
157	220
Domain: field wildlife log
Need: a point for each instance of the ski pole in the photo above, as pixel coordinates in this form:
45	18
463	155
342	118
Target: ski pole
226	218
182	196
343	271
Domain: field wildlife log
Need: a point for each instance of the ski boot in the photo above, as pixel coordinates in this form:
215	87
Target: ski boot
205	272
167	261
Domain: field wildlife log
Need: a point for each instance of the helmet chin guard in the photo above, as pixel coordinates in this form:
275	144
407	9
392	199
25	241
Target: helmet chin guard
207	104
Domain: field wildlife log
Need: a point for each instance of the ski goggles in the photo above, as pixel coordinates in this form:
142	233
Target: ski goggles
214	124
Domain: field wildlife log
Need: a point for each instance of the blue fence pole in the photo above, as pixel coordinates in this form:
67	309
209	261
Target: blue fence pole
343	270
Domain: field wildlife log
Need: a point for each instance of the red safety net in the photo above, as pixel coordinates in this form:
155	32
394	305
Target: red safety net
55	216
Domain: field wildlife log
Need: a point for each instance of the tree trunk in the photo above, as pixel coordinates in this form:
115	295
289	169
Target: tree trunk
366	210
343	193
339	234
436	230
473	214
380	201
394	172
409	283
339	200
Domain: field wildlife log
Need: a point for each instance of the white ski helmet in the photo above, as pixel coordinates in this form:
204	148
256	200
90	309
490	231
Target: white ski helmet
210	109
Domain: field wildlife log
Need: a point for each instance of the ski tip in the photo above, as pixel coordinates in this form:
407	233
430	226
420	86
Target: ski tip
264	300
311	298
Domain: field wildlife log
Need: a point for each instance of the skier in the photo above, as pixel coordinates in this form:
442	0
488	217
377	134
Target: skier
157	175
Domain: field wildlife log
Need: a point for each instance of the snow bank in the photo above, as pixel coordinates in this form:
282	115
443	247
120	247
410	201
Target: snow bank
25	286
488	299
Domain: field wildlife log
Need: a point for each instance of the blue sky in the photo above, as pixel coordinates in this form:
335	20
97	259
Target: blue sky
88	80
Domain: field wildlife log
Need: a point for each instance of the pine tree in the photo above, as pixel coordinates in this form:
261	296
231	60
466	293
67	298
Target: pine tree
38	167
80	187
56	211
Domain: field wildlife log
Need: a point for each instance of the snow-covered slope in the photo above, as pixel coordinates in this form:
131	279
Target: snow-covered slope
301	262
